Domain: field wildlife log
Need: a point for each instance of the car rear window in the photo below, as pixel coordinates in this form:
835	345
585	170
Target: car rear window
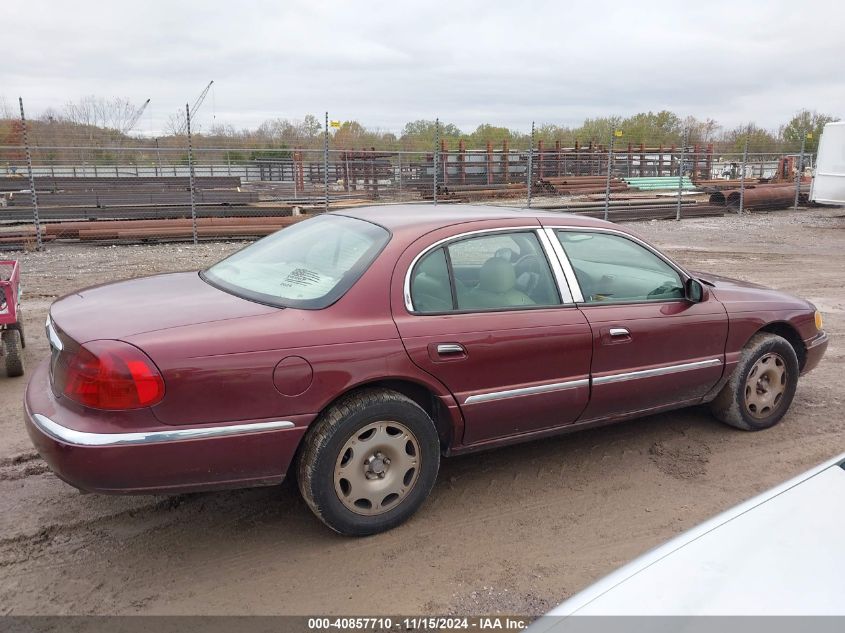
308	265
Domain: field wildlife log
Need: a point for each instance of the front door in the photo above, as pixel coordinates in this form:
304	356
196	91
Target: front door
483	313
651	346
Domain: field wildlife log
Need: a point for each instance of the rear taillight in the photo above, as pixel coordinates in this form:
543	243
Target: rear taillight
108	375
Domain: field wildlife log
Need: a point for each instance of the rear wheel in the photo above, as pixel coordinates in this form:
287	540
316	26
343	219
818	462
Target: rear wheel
369	462
762	386
13	353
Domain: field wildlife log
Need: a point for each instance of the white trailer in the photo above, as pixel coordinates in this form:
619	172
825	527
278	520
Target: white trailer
829	181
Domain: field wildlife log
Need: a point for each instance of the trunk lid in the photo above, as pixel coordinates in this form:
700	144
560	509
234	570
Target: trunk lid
126	308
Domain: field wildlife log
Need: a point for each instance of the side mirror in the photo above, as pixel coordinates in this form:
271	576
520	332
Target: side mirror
693	290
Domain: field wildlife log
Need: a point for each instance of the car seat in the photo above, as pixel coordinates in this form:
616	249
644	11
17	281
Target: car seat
496	287
430	287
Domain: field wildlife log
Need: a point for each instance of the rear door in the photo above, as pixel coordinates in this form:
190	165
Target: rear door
489	314
651	346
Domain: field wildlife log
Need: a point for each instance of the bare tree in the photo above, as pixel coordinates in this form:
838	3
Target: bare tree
114	113
5	109
177	124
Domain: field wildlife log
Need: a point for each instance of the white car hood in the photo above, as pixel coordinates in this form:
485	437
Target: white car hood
781	553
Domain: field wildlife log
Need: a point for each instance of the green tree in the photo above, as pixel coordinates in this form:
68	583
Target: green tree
802	123
310	126
598	130
549	133
760	140
420	134
495	134
652	128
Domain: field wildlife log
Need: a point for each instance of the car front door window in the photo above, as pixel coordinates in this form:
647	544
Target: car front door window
612	269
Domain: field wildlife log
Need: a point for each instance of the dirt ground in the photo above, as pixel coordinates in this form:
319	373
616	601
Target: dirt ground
514	530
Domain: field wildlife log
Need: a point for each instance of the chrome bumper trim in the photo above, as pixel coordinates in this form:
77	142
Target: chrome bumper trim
83	438
819	339
526	391
657	371
55	341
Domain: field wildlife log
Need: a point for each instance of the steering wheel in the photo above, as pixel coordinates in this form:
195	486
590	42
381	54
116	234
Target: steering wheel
661	290
505	253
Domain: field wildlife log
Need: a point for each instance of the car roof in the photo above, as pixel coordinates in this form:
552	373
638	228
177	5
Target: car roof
422	218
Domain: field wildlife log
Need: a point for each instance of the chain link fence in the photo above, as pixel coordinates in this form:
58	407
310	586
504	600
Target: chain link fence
176	189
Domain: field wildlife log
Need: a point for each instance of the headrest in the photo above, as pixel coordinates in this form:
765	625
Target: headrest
496	275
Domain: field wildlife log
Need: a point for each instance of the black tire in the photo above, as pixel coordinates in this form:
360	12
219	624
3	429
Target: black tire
321	455
13	353
732	406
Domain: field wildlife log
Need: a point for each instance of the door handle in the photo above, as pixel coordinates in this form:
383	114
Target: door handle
615	335
450	348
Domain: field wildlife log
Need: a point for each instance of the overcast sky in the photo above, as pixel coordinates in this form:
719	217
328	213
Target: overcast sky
385	63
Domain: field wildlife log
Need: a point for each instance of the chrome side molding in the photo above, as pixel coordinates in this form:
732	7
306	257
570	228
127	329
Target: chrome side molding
657	371
84	438
601	380
527	391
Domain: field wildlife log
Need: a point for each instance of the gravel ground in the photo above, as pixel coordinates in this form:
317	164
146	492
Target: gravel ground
514	530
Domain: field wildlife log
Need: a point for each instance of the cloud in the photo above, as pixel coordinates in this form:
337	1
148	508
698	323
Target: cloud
384	63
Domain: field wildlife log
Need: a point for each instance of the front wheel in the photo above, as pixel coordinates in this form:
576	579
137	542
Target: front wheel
762	386
369	462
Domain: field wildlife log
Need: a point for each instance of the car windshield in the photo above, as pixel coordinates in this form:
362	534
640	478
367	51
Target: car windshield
308	265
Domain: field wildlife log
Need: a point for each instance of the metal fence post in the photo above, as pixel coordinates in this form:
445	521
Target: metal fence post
607	182
530	173
799	169
33	193
191	174
742	178
681	173
436	154
399	154
326	161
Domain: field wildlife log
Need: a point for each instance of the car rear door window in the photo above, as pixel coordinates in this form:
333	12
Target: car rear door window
611	269
430	285
487	272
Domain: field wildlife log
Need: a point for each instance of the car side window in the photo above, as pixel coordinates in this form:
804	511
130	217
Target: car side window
611	268
430	286
487	272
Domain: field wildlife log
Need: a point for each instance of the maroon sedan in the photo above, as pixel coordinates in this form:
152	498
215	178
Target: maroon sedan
356	348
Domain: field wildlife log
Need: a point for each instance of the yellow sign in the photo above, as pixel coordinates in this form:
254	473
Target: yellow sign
334	124
617	133
809	135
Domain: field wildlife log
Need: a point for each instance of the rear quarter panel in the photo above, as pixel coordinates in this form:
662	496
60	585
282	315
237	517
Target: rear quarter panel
222	371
